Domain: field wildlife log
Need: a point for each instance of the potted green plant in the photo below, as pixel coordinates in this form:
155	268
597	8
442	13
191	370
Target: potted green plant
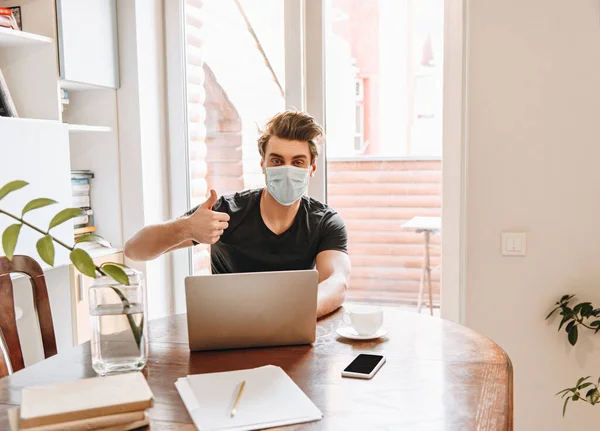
117	294
585	316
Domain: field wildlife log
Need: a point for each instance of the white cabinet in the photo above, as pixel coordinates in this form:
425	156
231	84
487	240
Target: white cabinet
87	42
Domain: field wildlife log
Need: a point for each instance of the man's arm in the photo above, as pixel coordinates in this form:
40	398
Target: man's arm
202	226
334	275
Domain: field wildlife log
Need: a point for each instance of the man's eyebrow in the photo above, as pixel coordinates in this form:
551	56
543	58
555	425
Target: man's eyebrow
275	155
299	156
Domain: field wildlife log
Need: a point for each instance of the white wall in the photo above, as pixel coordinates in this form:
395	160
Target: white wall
143	135
533	165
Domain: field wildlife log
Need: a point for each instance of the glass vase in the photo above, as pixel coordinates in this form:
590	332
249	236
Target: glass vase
119	324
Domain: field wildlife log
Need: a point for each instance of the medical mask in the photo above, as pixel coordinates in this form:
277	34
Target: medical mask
287	184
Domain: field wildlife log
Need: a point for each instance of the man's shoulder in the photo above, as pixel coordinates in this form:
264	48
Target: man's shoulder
243	196
237	201
318	210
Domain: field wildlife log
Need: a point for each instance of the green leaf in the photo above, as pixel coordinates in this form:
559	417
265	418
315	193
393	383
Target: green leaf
64	215
595	396
566	298
116	272
92	237
576	397
564	390
565	406
45	248
587	309
595	323
11	187
83	262
581	380
563	321
37	203
585	385
573	336
551	313
122	265
577	308
9	239
570	325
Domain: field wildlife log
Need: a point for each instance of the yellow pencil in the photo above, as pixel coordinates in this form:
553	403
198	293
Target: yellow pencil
237	399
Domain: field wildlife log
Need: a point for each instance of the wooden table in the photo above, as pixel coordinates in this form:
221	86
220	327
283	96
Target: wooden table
438	376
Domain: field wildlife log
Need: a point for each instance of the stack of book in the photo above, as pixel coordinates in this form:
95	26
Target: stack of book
64	99
115	402
80	186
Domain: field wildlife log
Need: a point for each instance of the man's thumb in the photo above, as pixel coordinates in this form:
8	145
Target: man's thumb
208	204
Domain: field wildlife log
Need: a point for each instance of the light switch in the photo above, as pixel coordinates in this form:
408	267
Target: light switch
514	244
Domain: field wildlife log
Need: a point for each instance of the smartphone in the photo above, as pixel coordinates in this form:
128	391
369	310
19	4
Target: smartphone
364	366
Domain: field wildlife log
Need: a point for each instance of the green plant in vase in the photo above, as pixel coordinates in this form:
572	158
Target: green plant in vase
584	316
46	245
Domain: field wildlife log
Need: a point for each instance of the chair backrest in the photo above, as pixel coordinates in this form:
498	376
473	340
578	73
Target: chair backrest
8	321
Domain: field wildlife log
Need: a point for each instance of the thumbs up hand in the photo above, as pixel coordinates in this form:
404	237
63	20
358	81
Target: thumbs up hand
205	225
210	201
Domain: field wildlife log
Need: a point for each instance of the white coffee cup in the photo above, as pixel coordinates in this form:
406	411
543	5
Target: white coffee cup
364	319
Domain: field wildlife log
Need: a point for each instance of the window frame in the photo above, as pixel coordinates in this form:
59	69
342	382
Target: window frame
305	90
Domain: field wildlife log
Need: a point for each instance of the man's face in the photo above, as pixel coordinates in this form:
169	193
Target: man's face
283	152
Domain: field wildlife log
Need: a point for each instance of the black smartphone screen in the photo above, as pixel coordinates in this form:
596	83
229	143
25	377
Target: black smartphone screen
363	364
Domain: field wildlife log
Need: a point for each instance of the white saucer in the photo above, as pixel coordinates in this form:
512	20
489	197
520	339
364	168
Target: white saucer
349	332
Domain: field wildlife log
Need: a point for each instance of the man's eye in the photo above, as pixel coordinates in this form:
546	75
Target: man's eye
299	163
275	161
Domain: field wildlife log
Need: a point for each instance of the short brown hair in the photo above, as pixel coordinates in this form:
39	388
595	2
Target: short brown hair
295	126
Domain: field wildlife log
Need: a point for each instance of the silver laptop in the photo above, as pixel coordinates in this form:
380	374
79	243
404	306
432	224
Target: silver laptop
256	309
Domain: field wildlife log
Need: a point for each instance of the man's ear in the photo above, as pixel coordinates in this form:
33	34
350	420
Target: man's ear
263	165
313	169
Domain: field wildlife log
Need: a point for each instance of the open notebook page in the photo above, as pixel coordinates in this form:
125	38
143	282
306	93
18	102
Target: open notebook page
270	398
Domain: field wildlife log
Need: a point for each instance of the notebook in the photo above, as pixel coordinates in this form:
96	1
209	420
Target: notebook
84	399
270	398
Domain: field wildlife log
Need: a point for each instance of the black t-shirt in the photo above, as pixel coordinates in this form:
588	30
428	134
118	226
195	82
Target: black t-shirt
248	245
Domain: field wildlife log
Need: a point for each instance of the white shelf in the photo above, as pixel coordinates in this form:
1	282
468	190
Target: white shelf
30	120
79	86
10	38
101	252
81	128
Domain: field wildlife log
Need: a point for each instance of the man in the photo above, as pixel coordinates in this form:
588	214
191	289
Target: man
272	229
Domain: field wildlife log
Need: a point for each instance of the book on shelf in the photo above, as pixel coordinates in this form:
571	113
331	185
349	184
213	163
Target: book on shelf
84	220
81	201
81	173
88	246
7	105
64	99
8	18
85	229
13	12
79	181
80	189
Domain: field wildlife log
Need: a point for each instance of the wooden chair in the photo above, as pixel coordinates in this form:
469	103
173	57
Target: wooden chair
8	321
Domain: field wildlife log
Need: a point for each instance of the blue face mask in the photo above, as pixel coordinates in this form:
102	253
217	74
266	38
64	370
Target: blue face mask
287	184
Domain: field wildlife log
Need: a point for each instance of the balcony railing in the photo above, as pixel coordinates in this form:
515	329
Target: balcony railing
376	197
